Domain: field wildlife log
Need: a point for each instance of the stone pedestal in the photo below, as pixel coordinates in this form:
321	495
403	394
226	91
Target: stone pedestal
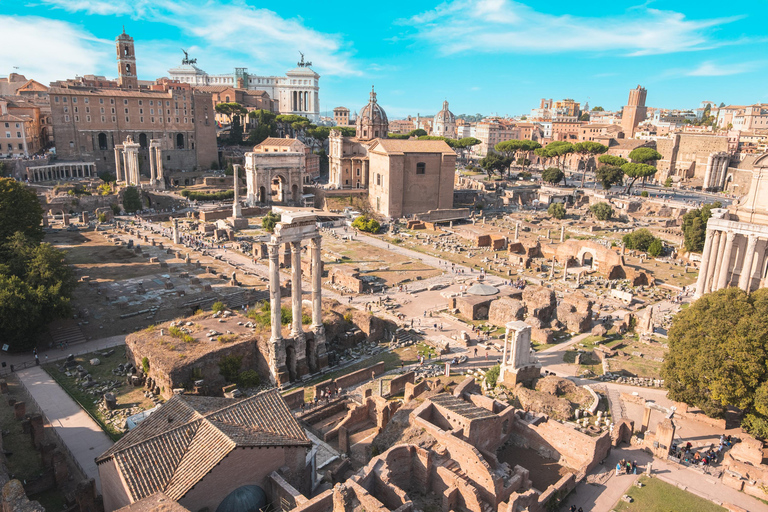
19	410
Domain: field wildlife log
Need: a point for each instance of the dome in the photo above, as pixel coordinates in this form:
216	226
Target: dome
481	289
248	498
372	122
445	115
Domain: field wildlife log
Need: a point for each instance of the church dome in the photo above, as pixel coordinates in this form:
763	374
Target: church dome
445	115
248	498
372	122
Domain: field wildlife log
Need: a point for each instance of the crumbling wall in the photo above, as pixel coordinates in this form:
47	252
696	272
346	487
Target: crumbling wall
540	302
505	310
397	385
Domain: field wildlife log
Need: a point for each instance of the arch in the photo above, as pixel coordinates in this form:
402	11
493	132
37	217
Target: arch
262	195
290	362
125	51
103	141
421	168
295	193
179	141
128	69
587	259
143	140
279	189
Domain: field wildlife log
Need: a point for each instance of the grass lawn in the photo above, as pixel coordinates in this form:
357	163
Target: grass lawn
24	463
127	396
658	496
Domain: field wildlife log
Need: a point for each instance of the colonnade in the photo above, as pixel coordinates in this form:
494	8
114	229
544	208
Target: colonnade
301	101
61	171
734	255
127	163
717	169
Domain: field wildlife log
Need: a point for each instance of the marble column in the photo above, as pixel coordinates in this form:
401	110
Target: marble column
236	211
745	279
152	171
126	171
722	277
296	330
712	262
274	291
708	172
562	233
565	270
317	302
705	257
517	230
719	263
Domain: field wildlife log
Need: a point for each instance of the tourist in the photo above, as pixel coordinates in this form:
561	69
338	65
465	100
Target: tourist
618	468
475	351
634	467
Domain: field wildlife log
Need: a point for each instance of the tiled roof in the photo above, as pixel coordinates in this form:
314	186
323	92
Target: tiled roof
189	435
156	503
276	141
412	146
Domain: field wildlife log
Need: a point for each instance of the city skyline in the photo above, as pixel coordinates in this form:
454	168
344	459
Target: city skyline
418	54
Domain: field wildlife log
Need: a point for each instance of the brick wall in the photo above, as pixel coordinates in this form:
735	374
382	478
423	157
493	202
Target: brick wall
397	385
294	399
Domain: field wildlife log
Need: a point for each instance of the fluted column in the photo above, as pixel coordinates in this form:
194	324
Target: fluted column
745	279
296	330
118	170
713	256
274	291
722	277
719	262
705	257
152	171
317	302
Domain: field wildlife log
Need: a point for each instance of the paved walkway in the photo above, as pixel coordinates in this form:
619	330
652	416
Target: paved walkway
83	436
55	354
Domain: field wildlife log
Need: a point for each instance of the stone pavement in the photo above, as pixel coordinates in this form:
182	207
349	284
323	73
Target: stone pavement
56	354
83	436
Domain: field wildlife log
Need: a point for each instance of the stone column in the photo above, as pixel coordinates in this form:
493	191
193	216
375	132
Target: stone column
562	233
708	172
159	160
152	171
565	270
714	254
745	279
517	229
719	263
705	256
274	291
118	168
296	330
317	303
722	278
236	211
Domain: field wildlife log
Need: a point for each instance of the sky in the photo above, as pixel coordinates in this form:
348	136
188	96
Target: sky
483	56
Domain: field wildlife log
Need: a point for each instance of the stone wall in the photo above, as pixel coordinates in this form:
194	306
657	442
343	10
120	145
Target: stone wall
223	213
397	385
347	277
294	399
505	310
350	379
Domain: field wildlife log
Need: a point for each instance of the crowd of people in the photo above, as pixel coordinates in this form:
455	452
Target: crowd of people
706	457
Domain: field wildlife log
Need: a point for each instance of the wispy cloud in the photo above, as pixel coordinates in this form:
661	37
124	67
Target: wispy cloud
712	68
260	35
506	26
52	49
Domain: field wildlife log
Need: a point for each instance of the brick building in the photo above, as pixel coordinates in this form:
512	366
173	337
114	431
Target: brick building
88	122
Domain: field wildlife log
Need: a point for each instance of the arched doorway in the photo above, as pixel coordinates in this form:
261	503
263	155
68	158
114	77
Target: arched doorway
103	141
290	362
179	141
262	195
279	190
295	194
143	140
586	259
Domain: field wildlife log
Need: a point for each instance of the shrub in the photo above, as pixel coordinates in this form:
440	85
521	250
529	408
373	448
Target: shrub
644	193
348	318
363	223
227	338
179	334
668	182
492	375
115	208
218	307
656	248
102	217
552	175
639	240
556	210
602	211
194	195
131	200
145	364
229	367
269	221
248	379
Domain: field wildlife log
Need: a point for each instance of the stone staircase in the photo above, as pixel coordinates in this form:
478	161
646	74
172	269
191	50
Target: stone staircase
66	332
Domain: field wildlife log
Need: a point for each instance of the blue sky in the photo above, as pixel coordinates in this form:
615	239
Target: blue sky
483	56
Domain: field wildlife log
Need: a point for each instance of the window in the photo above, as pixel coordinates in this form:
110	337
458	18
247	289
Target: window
125	102
66	118
421	168
88	118
101	100
141	102
141	111
7	134
75	110
56	99
66	109
127	120
378	179
102	110
77	119
87	110
86	100
111	101
65	99
113	110
103	119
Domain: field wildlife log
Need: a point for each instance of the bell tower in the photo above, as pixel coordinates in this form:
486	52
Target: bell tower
126	62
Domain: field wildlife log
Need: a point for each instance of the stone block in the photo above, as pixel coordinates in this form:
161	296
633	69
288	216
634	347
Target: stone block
19	410
505	310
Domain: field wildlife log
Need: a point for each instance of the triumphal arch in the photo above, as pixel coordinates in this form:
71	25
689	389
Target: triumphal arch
303	352
275	171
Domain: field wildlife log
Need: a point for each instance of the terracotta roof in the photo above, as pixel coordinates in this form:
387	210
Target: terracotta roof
212	88
276	141
412	146
91	91
10	117
180	443
156	503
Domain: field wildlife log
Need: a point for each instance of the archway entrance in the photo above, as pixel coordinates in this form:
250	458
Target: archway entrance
143	140
262	195
179	141
102	141
290	362
586	259
279	190
295	194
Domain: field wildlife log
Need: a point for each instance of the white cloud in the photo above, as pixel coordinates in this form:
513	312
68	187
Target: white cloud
235	28
711	68
505	26
48	50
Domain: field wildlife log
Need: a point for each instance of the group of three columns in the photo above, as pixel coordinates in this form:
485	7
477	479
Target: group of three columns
714	273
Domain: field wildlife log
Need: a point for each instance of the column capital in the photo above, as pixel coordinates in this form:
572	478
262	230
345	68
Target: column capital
296	246
730	235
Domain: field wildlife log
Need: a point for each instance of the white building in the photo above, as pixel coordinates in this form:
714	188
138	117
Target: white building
296	93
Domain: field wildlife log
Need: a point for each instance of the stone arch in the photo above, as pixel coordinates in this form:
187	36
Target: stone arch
587	259
143	140
179	141
262	194
295	193
279	186
103	141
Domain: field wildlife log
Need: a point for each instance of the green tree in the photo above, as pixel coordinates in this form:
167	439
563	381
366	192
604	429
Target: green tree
269	221
5	169
616	161
559	150
695	226
516	149
266	126
235	113
601	211
639	240
588	149
584	117
20	210
598	109
494	163
552	175
556	210
644	155
492	375
464	144
668	182
418	132
609	175
717	355
132	199
636	171
229	367
366	224
656	247
107	177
